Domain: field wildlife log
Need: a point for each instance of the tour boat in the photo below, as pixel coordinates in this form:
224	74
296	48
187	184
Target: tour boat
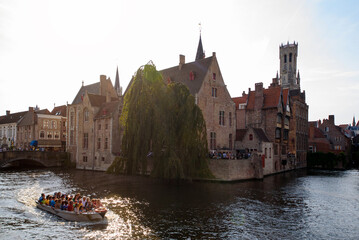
95	215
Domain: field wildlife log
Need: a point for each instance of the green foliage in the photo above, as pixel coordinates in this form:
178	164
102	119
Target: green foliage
163	119
118	166
325	160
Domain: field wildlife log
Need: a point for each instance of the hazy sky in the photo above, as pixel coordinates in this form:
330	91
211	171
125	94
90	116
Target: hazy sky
47	48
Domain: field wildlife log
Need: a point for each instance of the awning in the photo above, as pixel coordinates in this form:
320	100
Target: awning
33	143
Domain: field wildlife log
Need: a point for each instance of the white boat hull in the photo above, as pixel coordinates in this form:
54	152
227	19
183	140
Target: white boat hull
71	216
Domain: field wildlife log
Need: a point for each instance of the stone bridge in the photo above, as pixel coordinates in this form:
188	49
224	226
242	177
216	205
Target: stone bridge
32	158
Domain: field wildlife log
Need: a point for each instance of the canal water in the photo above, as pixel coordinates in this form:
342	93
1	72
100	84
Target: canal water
293	205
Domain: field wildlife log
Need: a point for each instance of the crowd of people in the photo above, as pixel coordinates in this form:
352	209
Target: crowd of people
77	203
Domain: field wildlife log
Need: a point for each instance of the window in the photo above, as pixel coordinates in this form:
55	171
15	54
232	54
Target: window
326	129
49	135
98	143
214	76
213	140
57	135
71	137
285	134
230	118
221	118
72	118
284	150
64	124
53	124
42	134
99	127
285	58
86	115
106	126
290	57
270	153
45	124
230	141
86	141
214	92
106	143
103	159
250	137
191	76
286	121
277	133
279	119
265	152
84	158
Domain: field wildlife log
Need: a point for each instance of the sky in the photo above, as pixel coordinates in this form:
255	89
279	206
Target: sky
47	48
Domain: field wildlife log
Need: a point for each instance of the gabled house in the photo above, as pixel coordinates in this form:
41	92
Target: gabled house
205	82
92	125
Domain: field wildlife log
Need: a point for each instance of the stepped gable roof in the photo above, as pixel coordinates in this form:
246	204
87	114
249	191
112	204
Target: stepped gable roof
92	88
59	111
107	109
240	100
96	100
12	118
240	133
199	68
29	117
261	134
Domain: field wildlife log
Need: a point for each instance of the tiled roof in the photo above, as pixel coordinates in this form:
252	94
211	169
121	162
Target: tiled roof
12	118
271	98
59	111
261	134
240	100
199	68
92	88
285	96
107	109
240	133
29	118
96	100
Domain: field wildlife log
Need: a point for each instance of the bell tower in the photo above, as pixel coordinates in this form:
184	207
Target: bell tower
288	65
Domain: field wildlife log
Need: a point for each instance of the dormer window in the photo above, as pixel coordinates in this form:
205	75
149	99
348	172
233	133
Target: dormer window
214	76
192	76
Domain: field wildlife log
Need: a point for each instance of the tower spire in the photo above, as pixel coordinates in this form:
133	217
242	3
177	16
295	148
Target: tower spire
117	84
200	54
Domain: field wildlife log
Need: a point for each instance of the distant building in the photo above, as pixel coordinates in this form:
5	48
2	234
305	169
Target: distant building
8	129
204	80
93	135
317	141
339	142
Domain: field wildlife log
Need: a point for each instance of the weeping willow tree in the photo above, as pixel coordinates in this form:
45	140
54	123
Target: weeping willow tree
162	120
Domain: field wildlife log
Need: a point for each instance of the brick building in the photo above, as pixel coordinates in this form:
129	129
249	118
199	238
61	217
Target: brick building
317	141
339	142
281	111
204	80
93	125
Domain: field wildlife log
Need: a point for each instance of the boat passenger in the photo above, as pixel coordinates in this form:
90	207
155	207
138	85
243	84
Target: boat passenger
47	200
63	205
42	198
84	201
77	208
52	202
58	204
70	207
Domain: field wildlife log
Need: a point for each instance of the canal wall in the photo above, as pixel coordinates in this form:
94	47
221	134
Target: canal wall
237	169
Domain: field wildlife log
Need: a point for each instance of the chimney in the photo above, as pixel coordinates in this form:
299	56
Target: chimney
331	119
7	112
259	99
243	93
249	90
181	61
213	54
102	85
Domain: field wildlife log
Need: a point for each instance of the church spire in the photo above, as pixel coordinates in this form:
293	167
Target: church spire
117	84
200	54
